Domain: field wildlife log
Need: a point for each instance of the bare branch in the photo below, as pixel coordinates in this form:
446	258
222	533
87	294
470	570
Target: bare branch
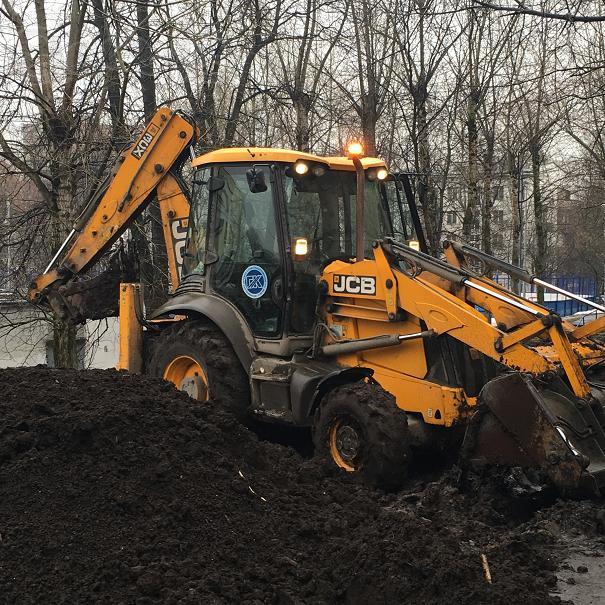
521	9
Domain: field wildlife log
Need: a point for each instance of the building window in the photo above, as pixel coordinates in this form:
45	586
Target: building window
498	192
450	218
454	193
564	195
498	216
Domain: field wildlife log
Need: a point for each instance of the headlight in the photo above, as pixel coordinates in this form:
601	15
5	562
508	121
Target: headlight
301	168
300	248
374	174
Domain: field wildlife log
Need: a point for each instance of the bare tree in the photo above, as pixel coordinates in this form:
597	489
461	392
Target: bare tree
47	87
485	44
539	121
303	61
423	37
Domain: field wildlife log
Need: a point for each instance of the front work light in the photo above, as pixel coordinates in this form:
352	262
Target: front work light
374	174
318	170
301	248
301	168
414	245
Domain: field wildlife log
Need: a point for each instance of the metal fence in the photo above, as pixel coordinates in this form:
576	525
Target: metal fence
560	304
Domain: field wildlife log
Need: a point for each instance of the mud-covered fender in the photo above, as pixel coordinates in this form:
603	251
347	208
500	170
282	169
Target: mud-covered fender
312	380
218	311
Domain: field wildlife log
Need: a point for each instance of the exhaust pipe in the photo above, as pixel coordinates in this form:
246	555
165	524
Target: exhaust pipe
359	209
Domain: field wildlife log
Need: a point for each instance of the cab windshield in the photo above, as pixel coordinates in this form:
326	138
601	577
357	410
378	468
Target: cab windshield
321	209
393	191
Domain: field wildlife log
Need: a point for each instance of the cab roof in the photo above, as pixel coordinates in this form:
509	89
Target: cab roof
234	155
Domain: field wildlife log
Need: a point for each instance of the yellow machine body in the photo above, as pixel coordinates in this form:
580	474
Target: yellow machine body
384	317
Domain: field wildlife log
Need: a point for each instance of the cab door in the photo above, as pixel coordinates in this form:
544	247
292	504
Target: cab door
244	236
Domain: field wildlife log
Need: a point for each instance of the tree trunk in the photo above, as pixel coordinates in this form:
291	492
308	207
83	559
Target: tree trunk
513	175
112	74
145	60
369	117
302	105
541	235
426	188
473	159
154	268
488	198
64	343
64	330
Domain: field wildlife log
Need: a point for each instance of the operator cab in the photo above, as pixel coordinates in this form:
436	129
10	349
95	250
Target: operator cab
264	223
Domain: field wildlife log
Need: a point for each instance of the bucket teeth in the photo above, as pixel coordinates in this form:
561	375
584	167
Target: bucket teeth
518	423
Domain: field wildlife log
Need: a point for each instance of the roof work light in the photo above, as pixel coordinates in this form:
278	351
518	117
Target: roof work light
301	168
354	149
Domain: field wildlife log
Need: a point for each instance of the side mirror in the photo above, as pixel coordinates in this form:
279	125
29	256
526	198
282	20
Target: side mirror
256	180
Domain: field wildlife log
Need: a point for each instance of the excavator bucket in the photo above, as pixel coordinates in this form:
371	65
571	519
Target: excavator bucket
520	422
95	297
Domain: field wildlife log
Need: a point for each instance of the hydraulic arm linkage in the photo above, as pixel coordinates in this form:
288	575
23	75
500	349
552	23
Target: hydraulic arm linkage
149	166
457	254
518	320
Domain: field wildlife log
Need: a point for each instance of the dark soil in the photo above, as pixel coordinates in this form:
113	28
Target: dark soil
97	295
117	489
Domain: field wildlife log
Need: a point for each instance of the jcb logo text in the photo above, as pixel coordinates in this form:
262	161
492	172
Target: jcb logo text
142	145
354	284
179	235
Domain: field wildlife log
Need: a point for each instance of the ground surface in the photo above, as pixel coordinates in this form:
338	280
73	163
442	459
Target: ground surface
582	575
117	489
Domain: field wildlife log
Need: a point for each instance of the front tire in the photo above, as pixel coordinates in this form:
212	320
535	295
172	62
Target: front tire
361	429
198	359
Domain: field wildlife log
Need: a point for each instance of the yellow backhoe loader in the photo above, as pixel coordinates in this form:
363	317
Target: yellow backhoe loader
304	295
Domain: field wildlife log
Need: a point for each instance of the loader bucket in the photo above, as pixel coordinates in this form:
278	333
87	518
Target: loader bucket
519	422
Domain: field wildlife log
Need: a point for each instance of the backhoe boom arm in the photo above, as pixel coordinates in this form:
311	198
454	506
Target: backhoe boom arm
139	172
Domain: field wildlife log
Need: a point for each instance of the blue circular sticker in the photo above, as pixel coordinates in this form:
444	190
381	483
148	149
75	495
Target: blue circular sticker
254	281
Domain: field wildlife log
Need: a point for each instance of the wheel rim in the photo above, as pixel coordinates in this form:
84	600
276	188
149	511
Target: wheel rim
187	375
345	444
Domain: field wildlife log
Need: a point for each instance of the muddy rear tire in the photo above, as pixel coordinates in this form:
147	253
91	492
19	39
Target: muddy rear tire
199	359
361	429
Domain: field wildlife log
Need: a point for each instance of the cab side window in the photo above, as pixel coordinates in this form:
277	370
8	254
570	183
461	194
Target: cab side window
195	244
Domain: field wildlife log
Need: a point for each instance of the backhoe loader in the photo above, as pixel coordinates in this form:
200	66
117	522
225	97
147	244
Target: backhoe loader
304	295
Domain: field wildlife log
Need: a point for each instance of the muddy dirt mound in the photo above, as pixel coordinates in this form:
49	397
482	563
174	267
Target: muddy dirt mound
118	489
